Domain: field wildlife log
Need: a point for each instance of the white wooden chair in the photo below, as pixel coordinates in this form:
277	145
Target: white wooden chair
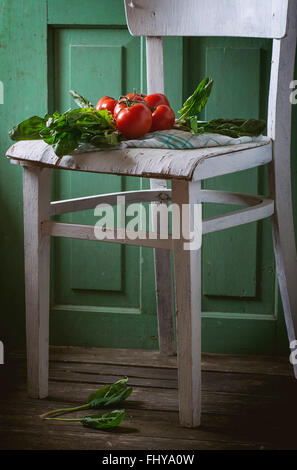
185	168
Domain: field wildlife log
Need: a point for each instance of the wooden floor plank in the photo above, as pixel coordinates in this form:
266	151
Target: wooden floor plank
269	365
260	384
24	440
212	380
153	423
70	394
256	384
247	403
133	427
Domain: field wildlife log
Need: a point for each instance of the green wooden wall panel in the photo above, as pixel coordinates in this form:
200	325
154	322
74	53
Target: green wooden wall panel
95	70
230	256
236	73
239	334
113	68
107	329
126	297
23	72
96	266
94	76
90	12
243	254
228	269
90	275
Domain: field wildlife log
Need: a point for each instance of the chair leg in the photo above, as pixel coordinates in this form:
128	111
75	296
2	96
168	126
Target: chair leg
285	248
188	302
36	190
163	282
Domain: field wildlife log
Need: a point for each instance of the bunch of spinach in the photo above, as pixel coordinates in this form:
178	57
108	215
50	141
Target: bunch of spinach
65	131
192	107
105	396
231	127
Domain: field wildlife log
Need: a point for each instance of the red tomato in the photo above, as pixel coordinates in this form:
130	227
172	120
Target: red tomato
136	96
125	101
163	118
119	106
134	121
103	99
156	99
106	103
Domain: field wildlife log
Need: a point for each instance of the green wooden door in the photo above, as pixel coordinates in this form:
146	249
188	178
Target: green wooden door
239	289
103	294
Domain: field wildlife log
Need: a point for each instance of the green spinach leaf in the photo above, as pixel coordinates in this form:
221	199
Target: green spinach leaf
110	394
196	102
105	396
189	119
28	130
80	100
231	127
65	131
105	421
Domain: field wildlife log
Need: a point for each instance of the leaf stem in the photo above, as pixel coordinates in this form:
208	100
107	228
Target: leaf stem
64	419
64	410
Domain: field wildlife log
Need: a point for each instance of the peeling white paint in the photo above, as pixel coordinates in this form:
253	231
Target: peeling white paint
1	92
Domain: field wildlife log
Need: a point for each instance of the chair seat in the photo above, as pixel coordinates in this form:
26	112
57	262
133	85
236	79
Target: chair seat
188	164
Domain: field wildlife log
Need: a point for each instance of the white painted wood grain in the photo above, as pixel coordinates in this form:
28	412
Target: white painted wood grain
229	197
156	163
162	259
252	18
155	65
265	208
209	166
164	294
36	189
187	269
260	208
279	129
90	202
86	232
164	286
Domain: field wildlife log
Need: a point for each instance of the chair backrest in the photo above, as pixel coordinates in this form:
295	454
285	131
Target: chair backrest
275	19
246	18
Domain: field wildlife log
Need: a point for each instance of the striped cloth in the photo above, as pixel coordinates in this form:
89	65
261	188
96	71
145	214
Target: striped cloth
177	139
